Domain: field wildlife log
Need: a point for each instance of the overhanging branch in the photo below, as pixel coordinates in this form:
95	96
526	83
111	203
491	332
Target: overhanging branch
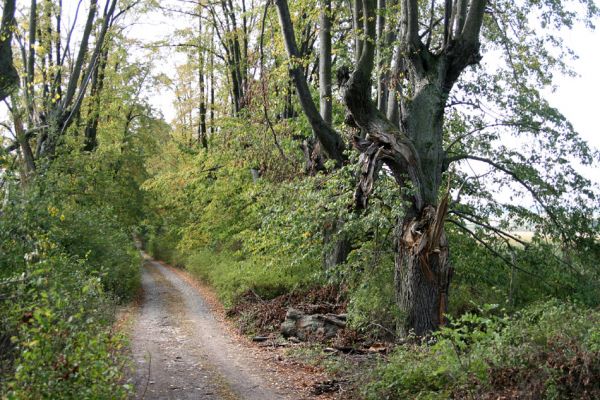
518	179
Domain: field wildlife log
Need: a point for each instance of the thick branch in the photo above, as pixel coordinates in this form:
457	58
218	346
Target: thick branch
31	50
325	62
410	23
384	141
330	140
463	50
74	78
356	24
94	61
473	22
459	17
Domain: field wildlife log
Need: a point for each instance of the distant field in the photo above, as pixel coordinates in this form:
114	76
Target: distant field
523	235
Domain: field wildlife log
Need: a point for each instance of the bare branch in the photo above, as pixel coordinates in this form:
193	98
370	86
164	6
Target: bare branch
518	179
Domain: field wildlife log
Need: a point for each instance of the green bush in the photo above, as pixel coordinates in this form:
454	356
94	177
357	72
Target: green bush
548	350
232	277
60	341
66	259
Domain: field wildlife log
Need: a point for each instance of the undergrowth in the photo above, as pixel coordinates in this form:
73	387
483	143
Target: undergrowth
66	261
549	350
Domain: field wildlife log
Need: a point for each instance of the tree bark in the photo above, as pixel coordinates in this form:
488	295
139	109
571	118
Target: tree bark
382	75
336	248
212	84
422	271
9	79
22	140
91	128
325	62
357	15
422	268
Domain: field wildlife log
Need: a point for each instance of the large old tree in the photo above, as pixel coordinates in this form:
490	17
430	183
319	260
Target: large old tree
405	127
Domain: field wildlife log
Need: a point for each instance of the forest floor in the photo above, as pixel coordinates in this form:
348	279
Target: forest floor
184	348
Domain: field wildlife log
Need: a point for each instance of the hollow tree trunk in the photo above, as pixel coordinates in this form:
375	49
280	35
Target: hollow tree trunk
422	268
422	277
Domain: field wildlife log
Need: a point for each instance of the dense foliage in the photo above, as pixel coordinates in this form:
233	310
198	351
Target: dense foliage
68	218
66	259
241	234
549	350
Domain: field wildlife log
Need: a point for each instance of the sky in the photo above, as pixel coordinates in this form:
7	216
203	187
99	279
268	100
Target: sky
578	98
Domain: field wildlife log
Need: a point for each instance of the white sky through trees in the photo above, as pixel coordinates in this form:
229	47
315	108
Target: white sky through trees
575	97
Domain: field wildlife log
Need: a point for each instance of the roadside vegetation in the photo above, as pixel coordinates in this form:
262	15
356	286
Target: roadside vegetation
71	163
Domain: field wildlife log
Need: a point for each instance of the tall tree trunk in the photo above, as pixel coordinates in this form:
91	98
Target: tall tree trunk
394	90
325	62
93	118
9	79
212	83
330	140
29	162
422	268
357	24
422	277
381	50
337	247
202	139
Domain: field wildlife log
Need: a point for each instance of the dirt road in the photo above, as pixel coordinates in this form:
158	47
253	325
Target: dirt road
182	351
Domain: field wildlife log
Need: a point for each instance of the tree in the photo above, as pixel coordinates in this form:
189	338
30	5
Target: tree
435	45
57	77
9	78
329	139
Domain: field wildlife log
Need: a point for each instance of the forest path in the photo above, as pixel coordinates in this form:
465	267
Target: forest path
181	351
